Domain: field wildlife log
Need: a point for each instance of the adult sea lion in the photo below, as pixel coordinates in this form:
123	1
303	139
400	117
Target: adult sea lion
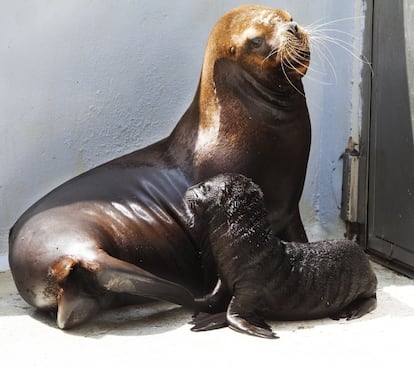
262	277
117	232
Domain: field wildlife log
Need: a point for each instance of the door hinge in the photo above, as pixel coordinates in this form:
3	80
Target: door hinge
349	206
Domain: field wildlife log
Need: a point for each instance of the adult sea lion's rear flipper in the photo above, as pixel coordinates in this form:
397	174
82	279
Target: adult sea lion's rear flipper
75	304
79	279
247	322
121	277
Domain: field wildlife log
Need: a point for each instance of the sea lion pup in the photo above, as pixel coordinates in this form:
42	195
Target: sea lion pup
261	277
117	232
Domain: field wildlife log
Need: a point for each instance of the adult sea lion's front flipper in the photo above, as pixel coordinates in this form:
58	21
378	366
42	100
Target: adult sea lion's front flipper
294	231
247	321
76	302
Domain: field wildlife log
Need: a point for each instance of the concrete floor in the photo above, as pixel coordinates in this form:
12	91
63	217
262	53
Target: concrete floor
159	335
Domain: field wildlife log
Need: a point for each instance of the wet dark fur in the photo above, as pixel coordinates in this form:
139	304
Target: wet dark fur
267	278
117	233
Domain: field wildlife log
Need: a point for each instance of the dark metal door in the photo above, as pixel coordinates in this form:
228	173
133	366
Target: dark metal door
391	159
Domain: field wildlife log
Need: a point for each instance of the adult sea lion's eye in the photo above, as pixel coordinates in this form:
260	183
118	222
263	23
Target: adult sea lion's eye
256	42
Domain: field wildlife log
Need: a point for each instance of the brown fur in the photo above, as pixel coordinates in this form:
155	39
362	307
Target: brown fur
123	222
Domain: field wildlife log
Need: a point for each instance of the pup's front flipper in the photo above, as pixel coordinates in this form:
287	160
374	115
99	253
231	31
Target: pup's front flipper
214	302
211	308
357	308
240	319
206	321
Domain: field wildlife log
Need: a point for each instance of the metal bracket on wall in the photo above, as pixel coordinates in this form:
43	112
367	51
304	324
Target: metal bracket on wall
349	207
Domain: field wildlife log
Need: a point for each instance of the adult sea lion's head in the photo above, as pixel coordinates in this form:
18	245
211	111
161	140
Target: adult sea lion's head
265	42
258	56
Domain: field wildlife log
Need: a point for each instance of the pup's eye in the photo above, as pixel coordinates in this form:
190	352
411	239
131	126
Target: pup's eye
205	188
256	42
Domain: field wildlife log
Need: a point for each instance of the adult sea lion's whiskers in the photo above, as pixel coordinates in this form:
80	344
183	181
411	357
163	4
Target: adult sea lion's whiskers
272	53
321	37
296	55
324	57
316	25
282	64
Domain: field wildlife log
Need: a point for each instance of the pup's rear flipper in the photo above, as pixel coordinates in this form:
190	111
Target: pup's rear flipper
357	308
247	322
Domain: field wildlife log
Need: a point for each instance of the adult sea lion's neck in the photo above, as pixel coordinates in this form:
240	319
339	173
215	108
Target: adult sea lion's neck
257	92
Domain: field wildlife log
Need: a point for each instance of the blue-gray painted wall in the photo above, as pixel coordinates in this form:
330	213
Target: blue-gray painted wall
82	82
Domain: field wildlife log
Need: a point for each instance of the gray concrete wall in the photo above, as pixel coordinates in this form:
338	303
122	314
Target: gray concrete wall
82	82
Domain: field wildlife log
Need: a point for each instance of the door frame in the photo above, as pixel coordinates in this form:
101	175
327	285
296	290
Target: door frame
366	152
